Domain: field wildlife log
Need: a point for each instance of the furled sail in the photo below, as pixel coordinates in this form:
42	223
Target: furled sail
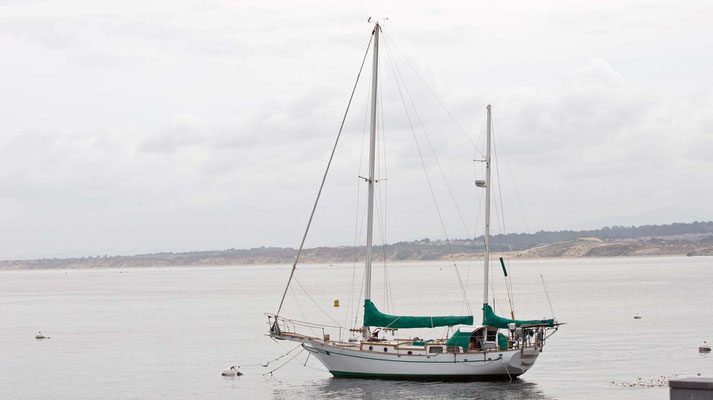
374	317
490	319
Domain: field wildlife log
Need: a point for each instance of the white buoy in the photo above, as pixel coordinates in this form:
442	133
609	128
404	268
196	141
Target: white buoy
232	371
704	347
637	316
39	335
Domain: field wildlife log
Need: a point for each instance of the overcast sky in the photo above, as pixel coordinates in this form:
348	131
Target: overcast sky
192	125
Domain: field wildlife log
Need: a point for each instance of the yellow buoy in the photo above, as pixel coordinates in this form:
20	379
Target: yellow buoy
336	303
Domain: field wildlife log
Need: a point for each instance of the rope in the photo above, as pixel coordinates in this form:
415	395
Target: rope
324	178
286	362
264	365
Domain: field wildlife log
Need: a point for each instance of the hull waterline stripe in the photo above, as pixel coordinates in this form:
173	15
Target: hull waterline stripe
344	374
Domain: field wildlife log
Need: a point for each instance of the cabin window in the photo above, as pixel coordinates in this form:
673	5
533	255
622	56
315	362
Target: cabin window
492	335
386	349
435	349
371	348
409	352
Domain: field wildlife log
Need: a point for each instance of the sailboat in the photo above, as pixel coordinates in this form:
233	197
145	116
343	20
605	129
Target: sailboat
500	348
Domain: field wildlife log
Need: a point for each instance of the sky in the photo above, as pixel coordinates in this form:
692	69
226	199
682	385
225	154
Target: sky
132	127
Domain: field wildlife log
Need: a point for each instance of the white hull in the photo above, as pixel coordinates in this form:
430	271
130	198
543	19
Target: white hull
346	362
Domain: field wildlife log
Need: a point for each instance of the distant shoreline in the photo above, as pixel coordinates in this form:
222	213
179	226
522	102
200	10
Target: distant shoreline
679	239
508	256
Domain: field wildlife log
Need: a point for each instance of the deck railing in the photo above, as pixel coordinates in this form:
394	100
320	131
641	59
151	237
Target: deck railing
309	330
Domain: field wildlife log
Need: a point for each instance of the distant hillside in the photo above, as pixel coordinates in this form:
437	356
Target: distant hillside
690	239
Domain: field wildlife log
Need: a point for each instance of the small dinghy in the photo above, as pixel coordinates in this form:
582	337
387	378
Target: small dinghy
232	371
39	335
704	347
637	316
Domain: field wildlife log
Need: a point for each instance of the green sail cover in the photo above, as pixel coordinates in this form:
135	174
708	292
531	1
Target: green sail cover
461	339
373	317
490	319
502	341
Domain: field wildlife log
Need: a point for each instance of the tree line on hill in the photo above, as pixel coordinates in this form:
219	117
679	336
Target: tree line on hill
678	237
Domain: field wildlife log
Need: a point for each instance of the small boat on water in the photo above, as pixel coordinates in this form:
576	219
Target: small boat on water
637	316
499	348
39	335
704	347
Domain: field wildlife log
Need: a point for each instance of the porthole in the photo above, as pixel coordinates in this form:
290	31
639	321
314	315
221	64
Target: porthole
409	352
386	349
371	348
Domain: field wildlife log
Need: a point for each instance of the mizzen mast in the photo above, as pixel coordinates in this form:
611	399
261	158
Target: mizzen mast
486	266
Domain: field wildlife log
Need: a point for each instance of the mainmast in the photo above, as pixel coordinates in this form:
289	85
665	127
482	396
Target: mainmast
486	267
372	160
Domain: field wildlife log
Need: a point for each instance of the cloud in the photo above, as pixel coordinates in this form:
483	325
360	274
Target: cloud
186	126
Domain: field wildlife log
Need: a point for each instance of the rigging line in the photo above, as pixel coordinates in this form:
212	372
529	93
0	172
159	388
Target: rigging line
524	218
500	218
357	228
385	201
317	304
433	93
548	296
481	139
357	308
433	152
380	207
381	162
297	303
361	285
324	178
425	170
360	231
388	295
398	75
508	279
383	248
507	254
498	223
478	199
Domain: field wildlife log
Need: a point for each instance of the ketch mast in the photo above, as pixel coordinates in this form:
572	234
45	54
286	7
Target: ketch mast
486	266
371	181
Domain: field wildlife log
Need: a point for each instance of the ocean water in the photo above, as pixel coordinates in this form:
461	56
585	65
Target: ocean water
153	333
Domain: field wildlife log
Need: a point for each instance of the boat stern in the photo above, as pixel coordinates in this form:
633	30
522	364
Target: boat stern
521	361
